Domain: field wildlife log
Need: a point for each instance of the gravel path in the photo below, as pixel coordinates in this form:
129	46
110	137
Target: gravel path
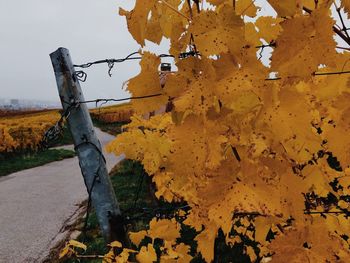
37	204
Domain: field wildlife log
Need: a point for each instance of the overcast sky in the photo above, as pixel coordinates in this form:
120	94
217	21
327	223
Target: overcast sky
90	29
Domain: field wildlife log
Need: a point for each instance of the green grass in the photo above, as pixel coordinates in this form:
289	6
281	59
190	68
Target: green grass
15	163
127	178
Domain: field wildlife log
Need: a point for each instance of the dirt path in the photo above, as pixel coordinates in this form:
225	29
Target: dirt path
36	205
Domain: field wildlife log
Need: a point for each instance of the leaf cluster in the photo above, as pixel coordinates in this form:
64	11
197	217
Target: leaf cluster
250	156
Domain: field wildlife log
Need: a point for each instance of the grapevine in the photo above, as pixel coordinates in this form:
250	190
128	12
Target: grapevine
24	132
257	158
117	113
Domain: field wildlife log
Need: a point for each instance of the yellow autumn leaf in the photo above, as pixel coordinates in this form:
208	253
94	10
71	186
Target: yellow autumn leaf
336	129
292	130
346	5
245	144
116	244
269	27
345	183
137	19
246	7
236	92
197	99
164	229
148	133
153	29
77	244
343	205
251	253
206	242
217	33
123	257
147	83
137	237
251	34
311	4
65	251
286	7
262	227
216	2
147	254
306	244
109	257
315	182
178	254
69	248
314	34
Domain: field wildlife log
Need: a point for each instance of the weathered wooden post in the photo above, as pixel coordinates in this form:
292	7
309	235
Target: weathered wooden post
88	148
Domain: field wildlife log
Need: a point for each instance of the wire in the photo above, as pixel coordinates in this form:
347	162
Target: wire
315	74
120	60
55	131
82	76
130	57
326	212
149	213
331	73
192	53
96	101
89	64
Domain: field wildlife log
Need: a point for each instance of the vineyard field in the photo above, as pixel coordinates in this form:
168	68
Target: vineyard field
114	113
23	131
13	113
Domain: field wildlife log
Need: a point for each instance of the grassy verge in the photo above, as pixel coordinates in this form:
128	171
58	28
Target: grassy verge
131	186
17	163
138	206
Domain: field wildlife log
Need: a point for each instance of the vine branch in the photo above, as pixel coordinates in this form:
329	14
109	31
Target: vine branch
339	32
341	20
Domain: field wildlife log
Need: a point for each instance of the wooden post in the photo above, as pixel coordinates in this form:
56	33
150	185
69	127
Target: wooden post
88	148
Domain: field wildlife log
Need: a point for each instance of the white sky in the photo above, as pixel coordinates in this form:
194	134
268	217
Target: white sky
90	29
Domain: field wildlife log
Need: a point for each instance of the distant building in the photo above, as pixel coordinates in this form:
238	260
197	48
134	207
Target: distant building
23	104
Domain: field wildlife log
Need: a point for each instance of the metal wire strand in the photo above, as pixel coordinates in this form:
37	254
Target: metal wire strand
119	60
82	76
55	131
